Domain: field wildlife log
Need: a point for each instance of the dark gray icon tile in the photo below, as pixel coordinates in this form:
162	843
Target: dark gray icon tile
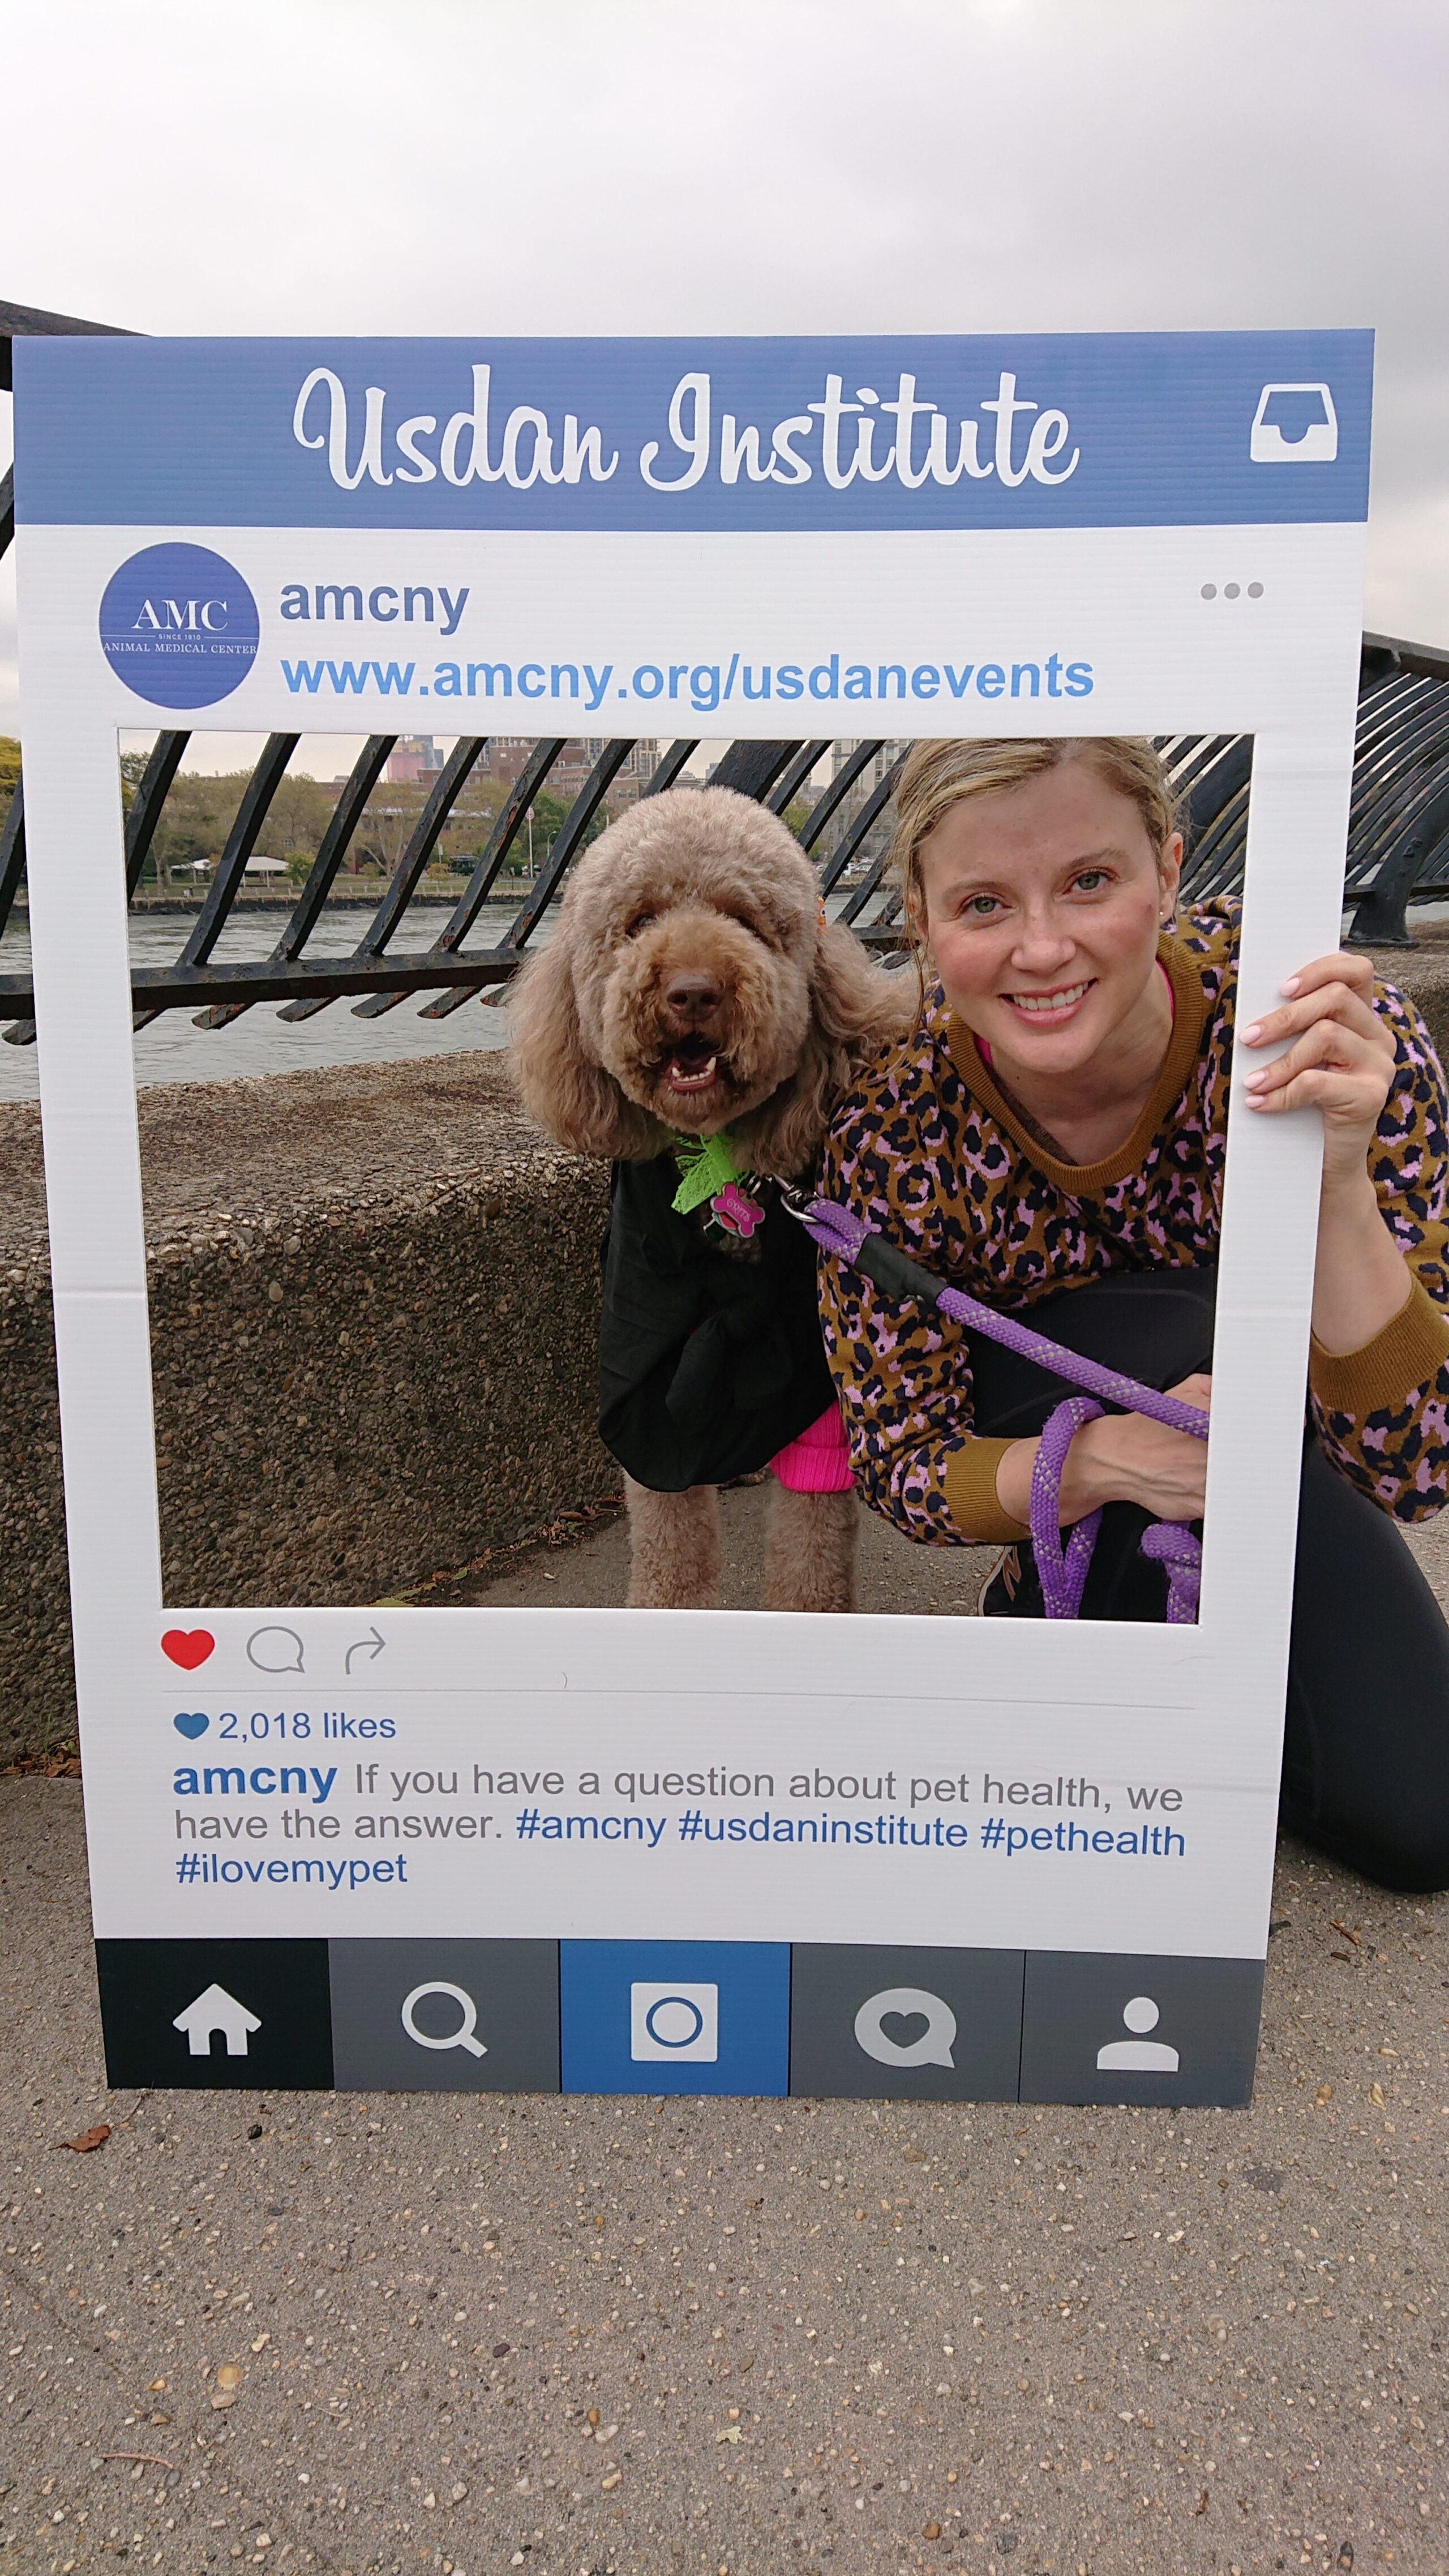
1100	2026
213	2015
924	2025
445	2016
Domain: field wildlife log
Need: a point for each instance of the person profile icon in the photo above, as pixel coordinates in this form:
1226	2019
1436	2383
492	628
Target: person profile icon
1140	2015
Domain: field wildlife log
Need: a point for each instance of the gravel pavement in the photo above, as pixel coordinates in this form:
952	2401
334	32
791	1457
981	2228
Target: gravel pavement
370	2334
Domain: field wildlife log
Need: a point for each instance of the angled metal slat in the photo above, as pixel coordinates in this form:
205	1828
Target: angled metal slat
794	775
148	802
12	850
241	841
571	832
335	843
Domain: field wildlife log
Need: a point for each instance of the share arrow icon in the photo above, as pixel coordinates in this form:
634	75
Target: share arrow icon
370	1645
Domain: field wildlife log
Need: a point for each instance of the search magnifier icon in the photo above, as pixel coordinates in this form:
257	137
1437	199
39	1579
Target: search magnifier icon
463	2036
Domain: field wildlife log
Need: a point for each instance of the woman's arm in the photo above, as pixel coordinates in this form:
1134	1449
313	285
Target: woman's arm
1341	1062
1121	1458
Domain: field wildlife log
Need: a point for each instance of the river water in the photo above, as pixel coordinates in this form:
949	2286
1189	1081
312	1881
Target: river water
172	1049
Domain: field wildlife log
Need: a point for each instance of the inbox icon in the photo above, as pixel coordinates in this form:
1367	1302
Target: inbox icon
674	2021
1294	425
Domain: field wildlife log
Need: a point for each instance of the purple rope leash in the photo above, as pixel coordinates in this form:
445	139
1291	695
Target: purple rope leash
1063	1570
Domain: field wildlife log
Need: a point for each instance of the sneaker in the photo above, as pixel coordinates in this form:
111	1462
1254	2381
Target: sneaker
1012	1590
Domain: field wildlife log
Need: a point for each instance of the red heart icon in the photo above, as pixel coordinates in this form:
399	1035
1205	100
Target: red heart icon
188	1647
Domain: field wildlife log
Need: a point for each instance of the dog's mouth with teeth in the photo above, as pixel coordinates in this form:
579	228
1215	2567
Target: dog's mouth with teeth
692	1065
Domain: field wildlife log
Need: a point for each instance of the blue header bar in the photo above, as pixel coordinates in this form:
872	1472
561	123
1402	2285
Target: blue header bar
1114	430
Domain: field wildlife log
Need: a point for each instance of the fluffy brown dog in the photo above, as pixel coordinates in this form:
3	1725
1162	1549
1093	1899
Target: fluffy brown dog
692	986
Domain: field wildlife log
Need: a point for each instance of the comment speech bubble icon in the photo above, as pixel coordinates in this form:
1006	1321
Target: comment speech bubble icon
933	2048
275	1650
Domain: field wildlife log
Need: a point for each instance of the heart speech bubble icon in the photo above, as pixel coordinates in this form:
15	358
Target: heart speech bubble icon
188	1647
902	2004
192	1722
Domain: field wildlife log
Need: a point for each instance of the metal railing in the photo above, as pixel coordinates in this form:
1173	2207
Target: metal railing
1398	840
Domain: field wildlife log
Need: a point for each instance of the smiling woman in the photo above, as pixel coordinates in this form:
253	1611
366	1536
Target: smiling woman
1051	1139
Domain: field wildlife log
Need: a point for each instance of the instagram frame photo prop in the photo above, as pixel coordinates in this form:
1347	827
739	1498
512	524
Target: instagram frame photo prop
655	1850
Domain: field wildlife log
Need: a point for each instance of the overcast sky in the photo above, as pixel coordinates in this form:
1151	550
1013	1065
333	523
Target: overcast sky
756	165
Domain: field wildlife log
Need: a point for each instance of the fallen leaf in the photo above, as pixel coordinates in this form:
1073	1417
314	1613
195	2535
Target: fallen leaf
728	2433
1376	2096
1324	2093
229	2375
89	2139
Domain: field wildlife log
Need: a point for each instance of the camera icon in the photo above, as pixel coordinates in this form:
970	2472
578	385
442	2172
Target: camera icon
674	2021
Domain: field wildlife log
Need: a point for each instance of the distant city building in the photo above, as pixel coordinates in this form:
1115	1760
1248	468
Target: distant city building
417	757
872	775
507	756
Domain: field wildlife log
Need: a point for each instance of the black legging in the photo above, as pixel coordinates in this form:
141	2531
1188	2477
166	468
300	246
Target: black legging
1366	1751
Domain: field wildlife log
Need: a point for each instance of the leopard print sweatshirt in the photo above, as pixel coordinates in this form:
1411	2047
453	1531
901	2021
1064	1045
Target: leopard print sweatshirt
928	1149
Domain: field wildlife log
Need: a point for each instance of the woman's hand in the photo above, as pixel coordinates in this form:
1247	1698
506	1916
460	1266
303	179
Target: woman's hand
1120	1458
1340	1062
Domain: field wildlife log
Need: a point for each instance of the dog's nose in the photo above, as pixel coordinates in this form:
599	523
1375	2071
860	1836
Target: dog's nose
691	996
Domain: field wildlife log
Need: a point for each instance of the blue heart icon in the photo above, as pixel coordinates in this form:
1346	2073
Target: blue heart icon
192	1722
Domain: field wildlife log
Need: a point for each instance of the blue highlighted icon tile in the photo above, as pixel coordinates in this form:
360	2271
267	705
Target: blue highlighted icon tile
675	2016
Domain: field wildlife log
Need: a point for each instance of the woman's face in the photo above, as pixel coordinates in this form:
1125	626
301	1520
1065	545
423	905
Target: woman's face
1043	908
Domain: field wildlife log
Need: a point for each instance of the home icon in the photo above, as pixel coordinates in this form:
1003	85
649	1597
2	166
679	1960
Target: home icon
213	2011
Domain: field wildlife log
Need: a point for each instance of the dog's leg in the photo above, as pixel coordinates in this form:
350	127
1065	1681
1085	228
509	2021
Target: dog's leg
674	1548
810	1544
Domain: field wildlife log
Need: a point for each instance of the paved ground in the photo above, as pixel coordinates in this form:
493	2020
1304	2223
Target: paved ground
373	2334
894	1574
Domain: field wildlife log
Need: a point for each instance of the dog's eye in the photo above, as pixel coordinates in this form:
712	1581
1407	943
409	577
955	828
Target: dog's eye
640	921
757	930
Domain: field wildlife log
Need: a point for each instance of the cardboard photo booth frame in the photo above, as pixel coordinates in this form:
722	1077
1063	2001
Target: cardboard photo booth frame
929	1857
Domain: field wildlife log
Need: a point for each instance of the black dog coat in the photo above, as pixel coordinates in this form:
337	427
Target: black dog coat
708	1363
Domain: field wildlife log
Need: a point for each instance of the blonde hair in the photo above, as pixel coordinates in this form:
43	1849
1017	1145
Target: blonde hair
938	775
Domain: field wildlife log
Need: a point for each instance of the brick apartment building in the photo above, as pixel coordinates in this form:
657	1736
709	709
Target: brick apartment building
417	760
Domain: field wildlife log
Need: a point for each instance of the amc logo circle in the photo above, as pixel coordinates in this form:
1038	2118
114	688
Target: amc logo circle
179	625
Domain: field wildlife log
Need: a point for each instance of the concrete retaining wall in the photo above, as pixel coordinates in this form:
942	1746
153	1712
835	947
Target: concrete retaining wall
374	1306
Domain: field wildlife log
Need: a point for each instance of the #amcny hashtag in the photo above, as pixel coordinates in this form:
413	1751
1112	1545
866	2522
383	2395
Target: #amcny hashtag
528	1822
188	1867
992	1832
691	1824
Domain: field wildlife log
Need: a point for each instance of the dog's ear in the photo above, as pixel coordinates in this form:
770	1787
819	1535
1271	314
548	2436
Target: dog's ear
855	1010
572	1098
